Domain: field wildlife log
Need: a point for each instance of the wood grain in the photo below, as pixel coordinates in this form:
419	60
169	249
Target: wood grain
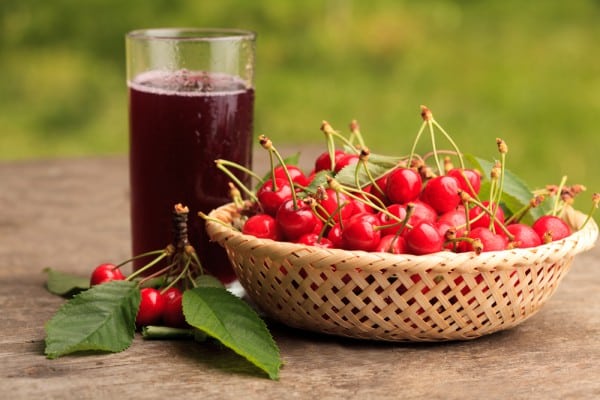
73	214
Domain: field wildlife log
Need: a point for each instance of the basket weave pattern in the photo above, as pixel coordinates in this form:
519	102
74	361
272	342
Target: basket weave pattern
441	296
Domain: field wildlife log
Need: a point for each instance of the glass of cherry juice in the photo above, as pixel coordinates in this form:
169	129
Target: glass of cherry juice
191	101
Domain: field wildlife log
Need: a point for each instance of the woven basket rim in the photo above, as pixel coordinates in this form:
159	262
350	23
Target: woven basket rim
444	261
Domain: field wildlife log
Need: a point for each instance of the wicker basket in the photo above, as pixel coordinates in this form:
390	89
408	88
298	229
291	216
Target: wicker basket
441	296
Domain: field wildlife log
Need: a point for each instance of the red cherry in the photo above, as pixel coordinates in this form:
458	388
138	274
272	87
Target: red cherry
524	236
424	238
294	222
484	221
335	236
151	308
403	185
262	226
380	190
392	244
106	273
551	228
323	162
271	199
455	219
388	224
359	207
472	176
360	233
441	193
296	174
345	160
173	311
491	241
314	239
422	212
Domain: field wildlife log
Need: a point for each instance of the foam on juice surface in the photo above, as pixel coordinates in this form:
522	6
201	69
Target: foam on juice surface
188	83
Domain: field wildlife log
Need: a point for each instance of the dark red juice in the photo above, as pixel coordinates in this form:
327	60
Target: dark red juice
179	124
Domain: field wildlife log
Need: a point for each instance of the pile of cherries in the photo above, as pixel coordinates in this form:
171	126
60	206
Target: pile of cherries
156	307
409	208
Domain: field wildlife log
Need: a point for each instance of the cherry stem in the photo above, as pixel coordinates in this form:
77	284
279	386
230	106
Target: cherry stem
156	274
333	134
221	164
197	262
500	188
319	211
452	143
493	218
465	198
267	144
272	163
355	131
236	195
335	185
595	202
493	186
339	206
147	254
434	148
153	332
152	263
476	243
364	160
390	248
519	214
402	224
327	130
211	219
368	198
183	272
556	207
191	278
240	168
414	146
431	123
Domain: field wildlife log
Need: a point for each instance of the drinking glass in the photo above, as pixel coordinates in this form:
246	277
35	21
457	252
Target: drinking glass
191	101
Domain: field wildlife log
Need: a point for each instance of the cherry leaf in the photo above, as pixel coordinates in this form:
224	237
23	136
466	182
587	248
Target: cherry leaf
320	179
99	319
64	284
354	173
515	194
206	280
234	323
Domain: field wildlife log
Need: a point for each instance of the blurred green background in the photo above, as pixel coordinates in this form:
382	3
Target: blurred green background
528	72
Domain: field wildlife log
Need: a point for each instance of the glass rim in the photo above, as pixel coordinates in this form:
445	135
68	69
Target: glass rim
191	34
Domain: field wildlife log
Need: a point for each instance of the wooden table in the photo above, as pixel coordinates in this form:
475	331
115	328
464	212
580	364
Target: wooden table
73	214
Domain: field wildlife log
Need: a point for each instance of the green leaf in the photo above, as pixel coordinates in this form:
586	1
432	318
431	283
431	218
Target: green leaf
235	324
515	194
64	284
347	176
377	166
99	319
320	179
206	280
